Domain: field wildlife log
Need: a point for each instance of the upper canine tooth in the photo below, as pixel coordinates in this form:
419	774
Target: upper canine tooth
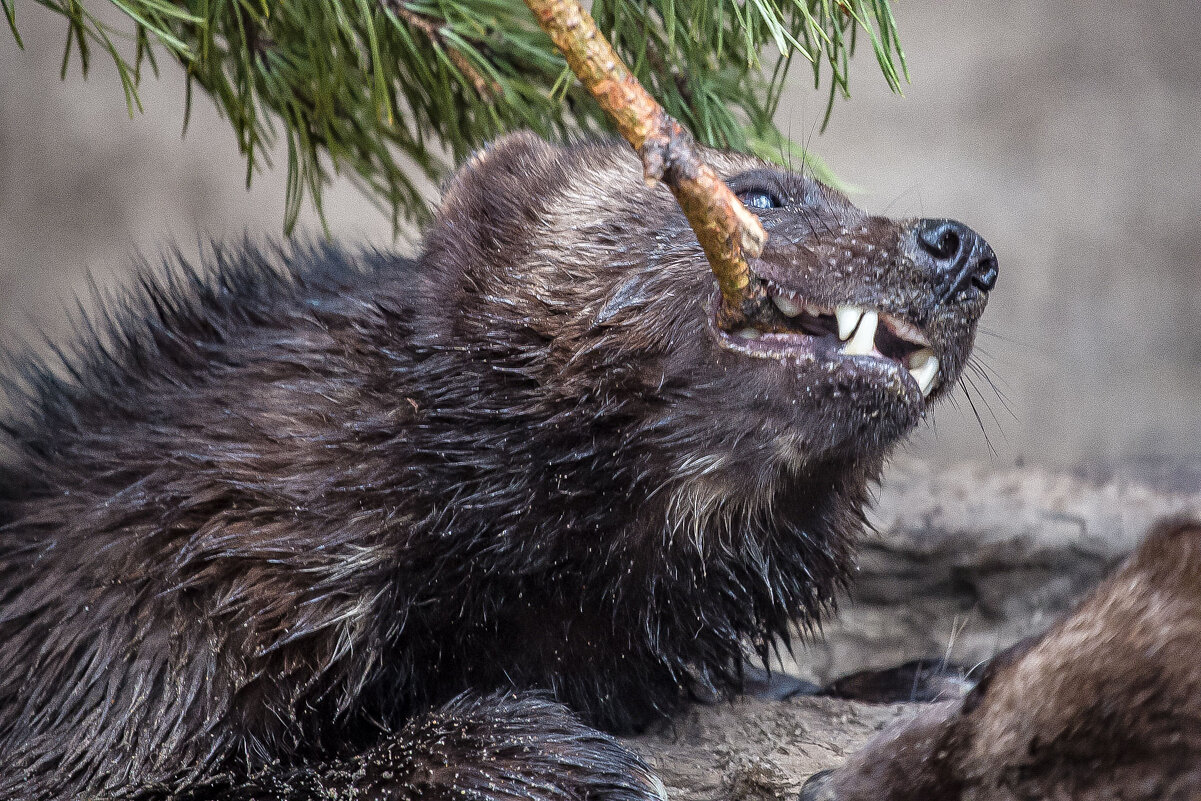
788	306
923	366
864	341
848	318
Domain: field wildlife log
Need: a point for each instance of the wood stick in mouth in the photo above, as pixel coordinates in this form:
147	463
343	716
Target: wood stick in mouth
728	232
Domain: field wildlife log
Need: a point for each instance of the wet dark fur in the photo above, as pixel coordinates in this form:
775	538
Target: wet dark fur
1105	706
265	513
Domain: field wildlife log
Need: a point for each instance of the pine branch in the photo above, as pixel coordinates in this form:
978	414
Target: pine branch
388	90
483	86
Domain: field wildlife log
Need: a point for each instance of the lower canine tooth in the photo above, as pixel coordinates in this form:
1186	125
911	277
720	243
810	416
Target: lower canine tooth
864	341
789	307
749	333
923	366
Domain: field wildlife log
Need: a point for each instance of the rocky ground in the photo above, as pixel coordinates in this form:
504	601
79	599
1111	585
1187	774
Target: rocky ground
755	750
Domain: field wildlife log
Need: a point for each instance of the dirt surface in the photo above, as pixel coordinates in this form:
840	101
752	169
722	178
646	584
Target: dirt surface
752	750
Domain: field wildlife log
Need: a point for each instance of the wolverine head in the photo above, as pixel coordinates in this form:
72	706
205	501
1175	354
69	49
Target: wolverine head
603	282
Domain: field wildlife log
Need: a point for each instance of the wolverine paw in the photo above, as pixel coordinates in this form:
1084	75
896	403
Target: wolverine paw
510	746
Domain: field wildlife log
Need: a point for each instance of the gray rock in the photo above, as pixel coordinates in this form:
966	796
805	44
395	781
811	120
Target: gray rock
969	559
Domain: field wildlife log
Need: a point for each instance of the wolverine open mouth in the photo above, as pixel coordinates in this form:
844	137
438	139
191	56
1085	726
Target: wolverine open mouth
799	328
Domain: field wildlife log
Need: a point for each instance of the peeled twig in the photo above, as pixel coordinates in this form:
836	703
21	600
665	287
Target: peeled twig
728	233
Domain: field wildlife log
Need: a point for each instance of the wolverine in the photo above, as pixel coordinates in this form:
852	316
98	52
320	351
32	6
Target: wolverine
1103	706
306	523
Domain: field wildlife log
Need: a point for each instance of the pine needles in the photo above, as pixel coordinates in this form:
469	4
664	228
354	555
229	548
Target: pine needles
388	90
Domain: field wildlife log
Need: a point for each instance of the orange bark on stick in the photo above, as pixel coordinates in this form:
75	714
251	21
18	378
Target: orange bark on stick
728	232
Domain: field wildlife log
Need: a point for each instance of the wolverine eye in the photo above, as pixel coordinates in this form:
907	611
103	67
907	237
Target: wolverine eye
759	199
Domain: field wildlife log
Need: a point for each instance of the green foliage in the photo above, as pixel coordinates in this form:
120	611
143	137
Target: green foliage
384	90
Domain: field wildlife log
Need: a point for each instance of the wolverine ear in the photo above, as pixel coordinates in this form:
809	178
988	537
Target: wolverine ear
492	210
505	170
495	200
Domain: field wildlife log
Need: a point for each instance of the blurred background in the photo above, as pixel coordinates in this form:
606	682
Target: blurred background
1069	134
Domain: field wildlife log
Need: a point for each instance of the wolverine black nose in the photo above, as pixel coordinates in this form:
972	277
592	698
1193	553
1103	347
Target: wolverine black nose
960	256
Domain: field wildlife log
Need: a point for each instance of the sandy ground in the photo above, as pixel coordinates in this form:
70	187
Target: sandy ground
1068	134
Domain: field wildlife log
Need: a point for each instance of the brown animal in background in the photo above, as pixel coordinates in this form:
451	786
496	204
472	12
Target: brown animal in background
1105	706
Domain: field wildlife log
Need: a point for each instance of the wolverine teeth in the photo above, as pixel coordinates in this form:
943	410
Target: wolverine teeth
902	342
906	331
786	305
848	318
864	341
923	366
